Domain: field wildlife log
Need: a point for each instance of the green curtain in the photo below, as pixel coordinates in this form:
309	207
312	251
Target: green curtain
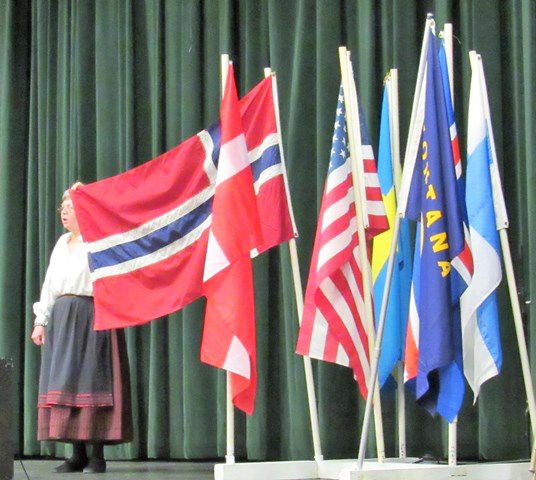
89	89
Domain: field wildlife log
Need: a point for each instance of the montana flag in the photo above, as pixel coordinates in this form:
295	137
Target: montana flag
147	228
482	354
333	327
394	335
434	202
229	329
463	263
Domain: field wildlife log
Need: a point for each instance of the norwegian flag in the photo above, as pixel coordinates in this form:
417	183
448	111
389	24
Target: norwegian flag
146	229
229	329
333	326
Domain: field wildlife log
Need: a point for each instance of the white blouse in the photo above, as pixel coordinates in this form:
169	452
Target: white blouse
67	273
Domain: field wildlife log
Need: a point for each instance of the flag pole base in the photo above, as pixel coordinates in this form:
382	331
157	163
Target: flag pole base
426	471
266	470
390	469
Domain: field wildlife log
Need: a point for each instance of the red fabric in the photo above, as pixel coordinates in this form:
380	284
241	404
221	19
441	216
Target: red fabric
230	312
235	219
165	287
229	329
125	201
118	204
102	424
258	117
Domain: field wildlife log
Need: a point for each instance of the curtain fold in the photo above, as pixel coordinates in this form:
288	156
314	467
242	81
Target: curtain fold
91	89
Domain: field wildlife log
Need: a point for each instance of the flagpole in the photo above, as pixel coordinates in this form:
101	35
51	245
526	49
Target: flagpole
449	51
353	103
358	161
502	225
417	119
416	123
350	99
298	290
275	92
375	355
230	418
392	91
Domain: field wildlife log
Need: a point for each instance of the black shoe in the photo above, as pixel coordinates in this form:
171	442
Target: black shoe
95	465
71	465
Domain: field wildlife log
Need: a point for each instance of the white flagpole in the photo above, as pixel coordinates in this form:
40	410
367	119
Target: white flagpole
394	129
449	50
502	225
298	290
416	123
417	119
353	127
353	104
369	309
447	37
230	422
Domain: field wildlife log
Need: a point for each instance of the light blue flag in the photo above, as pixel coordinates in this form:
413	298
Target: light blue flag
482	354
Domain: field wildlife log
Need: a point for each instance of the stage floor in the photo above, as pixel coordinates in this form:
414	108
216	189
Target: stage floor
43	470
154	470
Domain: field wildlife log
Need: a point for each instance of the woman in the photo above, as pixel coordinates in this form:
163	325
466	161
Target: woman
84	388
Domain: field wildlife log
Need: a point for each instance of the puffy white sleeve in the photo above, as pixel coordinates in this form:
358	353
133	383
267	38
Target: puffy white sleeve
43	308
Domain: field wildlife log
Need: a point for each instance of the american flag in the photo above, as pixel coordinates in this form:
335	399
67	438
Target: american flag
333	327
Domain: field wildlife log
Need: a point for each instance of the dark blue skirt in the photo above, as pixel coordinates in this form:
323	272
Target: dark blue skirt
84	386
76	361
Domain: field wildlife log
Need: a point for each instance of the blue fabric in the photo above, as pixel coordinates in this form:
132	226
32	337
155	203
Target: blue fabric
434	201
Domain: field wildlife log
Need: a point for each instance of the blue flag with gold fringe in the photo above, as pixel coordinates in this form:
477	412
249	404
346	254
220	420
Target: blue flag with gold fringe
434	202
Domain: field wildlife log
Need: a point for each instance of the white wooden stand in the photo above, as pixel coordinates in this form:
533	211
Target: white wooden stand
426	471
298	470
390	469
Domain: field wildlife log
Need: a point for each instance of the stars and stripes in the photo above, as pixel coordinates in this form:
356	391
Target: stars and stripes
333	326
375	208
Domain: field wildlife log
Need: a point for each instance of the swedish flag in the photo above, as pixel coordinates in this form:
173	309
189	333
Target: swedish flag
397	310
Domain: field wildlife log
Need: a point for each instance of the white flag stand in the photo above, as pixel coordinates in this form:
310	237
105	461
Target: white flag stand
476	471
397	469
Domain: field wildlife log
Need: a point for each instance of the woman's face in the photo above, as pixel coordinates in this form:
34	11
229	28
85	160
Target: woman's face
68	217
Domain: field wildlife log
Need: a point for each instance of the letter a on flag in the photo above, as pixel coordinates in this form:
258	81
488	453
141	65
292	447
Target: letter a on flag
434	202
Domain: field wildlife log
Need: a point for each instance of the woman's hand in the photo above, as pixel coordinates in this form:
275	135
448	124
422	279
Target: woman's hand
38	335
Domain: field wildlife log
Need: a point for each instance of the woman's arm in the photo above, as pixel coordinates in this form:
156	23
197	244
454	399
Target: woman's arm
43	307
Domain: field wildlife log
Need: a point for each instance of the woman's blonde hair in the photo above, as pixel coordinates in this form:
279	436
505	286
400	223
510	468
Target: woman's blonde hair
67	194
